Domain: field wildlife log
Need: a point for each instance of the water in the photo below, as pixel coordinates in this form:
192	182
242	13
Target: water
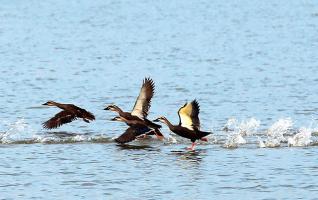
251	62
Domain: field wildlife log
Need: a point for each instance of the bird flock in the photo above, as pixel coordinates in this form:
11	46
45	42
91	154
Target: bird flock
138	124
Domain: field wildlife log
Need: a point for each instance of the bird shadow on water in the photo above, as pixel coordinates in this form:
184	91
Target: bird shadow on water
134	147
191	156
62	134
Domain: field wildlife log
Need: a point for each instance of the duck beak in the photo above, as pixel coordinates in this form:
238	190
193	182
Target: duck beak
45	104
156	120
107	108
113	119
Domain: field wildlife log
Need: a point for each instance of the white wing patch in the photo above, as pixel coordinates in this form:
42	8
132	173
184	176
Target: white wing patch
143	101
185	116
139	105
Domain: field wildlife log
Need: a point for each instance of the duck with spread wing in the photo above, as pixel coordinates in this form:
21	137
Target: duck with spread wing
137	119
189	123
68	114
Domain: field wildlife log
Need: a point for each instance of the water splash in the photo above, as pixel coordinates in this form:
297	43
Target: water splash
314	126
171	139
275	134
20	132
240	129
234	140
302	138
212	139
17	131
230	125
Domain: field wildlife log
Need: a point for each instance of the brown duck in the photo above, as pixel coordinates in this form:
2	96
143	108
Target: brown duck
68	114
138	116
189	123
135	130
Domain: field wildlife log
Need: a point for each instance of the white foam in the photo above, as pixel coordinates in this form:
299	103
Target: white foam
231	124
245	127
48	139
211	139
261	143
275	134
79	138
279	128
269	143
302	138
16	131
171	139
249	127
234	140
240	129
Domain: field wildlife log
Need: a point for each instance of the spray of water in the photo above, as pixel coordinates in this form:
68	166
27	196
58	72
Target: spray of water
275	134
302	138
240	129
21	132
17	131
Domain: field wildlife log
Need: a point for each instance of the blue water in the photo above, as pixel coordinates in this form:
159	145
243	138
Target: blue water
241	60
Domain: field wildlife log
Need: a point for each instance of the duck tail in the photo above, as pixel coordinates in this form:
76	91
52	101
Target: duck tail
203	134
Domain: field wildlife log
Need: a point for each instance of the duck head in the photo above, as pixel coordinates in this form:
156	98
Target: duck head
118	118
49	103
112	108
161	119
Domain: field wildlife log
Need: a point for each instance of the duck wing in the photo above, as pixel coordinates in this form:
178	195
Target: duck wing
129	135
142	104
83	113
189	115
195	114
59	119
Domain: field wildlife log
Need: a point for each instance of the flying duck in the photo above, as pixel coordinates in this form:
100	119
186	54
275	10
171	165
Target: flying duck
68	114
189	123
138	116
134	131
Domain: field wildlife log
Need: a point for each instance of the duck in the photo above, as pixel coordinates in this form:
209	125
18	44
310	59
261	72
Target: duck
140	110
135	130
68	114
189	123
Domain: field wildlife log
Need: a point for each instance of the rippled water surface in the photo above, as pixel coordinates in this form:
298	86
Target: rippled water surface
252	65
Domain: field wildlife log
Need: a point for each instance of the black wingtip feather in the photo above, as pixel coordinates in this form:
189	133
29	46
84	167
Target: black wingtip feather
196	104
203	134
46	125
149	81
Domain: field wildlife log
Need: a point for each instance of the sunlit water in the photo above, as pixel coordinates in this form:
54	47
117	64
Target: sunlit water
252	65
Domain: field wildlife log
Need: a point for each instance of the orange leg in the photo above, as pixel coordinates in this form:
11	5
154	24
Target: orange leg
192	147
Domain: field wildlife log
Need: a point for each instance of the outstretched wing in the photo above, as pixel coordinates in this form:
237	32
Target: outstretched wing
143	101
59	119
195	114
189	115
85	114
